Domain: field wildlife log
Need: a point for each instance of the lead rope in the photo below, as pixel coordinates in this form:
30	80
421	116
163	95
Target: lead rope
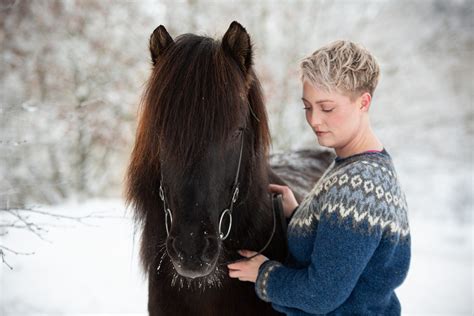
278	198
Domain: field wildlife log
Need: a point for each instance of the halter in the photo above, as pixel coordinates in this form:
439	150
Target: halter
277	210
235	195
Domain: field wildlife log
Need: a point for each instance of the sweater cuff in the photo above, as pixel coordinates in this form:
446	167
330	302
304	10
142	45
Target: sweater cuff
262	278
291	216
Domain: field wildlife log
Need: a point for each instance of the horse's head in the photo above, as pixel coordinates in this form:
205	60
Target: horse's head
202	129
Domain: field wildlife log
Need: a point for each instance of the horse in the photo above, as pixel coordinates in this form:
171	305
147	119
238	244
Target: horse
198	175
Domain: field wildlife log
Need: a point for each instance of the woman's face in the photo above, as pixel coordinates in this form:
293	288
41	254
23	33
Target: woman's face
334	118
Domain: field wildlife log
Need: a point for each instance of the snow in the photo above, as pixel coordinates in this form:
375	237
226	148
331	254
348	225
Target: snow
440	278
93	268
83	269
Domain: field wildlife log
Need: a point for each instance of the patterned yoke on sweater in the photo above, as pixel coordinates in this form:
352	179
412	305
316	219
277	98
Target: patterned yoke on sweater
349	244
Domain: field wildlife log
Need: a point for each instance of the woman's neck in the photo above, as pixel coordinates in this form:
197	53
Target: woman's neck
364	141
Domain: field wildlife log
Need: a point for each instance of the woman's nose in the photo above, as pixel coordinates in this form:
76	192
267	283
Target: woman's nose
315	120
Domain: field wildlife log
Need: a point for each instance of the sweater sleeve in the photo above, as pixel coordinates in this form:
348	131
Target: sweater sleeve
288	219
339	256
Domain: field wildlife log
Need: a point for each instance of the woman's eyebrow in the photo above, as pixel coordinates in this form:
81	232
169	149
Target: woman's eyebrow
322	101
318	101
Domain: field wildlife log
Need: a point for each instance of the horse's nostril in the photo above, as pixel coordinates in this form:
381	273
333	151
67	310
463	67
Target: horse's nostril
173	247
209	250
178	248
210	240
202	249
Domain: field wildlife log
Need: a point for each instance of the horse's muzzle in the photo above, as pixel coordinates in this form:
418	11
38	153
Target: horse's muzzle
193	256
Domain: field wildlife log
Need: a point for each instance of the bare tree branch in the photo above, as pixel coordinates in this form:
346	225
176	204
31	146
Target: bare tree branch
20	219
2	254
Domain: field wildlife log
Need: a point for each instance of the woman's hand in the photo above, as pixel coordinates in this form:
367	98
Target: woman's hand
246	270
288	198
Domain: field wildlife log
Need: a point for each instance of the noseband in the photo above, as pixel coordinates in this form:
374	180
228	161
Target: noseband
227	211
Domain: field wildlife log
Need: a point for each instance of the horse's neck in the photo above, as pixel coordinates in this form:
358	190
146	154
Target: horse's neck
256	212
258	196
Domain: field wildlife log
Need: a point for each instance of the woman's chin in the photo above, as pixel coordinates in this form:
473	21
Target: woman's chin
324	142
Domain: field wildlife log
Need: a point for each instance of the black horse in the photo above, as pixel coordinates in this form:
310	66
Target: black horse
199	173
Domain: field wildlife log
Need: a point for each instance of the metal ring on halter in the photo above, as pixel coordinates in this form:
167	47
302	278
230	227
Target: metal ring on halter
168	213
220	224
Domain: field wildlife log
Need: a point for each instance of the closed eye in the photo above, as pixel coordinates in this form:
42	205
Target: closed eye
309	108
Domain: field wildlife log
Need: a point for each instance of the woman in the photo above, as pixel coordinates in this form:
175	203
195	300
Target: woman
349	239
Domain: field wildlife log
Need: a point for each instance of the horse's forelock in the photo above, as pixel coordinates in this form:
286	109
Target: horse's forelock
197	95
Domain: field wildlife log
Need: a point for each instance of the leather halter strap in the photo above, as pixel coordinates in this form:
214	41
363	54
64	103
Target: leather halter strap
235	195
277	210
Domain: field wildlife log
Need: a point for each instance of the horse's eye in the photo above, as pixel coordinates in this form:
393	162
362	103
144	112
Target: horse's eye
238	132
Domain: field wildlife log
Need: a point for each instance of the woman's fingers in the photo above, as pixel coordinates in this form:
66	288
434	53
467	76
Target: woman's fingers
284	190
234	273
237	265
239	275
246	253
288	198
275	188
247	270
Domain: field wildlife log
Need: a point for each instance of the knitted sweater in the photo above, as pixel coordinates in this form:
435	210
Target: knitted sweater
349	244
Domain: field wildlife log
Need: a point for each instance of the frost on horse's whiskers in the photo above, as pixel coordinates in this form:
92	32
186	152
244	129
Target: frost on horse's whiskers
212	280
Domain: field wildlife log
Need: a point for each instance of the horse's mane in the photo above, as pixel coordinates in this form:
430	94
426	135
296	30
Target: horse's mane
195	96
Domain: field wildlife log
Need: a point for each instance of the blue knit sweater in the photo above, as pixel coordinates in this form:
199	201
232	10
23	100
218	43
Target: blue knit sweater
349	244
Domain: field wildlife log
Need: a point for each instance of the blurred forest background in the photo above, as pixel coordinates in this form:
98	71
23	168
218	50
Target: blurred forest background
72	73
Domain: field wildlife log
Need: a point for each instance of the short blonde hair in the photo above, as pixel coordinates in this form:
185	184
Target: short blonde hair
342	65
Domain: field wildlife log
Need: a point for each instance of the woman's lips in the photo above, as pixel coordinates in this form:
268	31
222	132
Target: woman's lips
321	133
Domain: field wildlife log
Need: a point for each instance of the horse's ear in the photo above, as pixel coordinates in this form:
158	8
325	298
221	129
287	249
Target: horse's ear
160	40
236	42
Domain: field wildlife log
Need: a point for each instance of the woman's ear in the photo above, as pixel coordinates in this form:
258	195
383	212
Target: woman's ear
365	100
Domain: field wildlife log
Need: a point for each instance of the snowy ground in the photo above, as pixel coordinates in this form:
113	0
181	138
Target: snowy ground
86	269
